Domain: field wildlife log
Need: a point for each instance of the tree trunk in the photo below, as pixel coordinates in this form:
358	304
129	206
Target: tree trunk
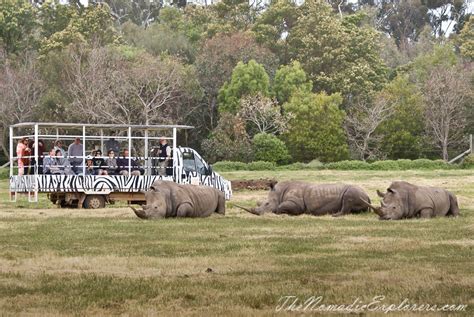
445	151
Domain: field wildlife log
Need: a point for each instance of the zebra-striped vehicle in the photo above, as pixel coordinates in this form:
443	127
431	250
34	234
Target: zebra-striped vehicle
81	188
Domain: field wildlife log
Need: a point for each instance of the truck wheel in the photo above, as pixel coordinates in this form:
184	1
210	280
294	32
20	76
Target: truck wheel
94	202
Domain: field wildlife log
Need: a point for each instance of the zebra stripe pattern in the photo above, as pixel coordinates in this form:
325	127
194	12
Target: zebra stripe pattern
106	183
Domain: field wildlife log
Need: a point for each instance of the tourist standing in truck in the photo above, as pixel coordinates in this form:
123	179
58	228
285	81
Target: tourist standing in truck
75	153
22	153
164	156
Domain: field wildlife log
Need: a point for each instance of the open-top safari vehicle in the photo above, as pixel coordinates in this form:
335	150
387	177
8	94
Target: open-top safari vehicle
79	189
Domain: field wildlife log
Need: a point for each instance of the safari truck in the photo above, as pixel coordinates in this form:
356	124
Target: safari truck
79	186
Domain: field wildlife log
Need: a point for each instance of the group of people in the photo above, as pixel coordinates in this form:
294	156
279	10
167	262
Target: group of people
61	162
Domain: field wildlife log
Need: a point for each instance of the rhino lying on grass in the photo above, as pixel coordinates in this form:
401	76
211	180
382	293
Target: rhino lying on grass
297	198
168	199
405	200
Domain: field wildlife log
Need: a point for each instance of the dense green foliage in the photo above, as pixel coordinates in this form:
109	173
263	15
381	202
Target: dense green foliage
267	147
247	79
289	79
468	161
315	131
341	56
403	131
149	62
387	165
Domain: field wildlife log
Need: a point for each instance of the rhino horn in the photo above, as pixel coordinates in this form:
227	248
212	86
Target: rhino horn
382	195
377	210
252	211
140	213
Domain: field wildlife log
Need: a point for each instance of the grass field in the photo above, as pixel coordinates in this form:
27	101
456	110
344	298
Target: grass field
108	262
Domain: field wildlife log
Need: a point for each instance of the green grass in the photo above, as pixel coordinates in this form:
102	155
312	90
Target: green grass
108	262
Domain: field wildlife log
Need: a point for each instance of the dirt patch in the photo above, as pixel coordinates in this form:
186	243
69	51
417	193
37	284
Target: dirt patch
252	184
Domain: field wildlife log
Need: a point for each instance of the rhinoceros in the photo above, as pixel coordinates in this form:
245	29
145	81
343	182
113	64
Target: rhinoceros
405	200
168	199
297	198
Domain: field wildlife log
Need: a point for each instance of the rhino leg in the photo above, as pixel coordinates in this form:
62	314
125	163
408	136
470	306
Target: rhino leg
221	204
453	206
185	210
346	208
289	207
426	213
351	202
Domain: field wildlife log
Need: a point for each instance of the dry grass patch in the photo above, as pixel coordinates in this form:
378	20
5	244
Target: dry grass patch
108	262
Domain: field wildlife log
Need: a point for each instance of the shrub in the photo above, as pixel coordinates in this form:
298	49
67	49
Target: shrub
348	165
261	166
429	164
385	165
4	173
468	161
294	167
315	165
225	166
269	148
228	141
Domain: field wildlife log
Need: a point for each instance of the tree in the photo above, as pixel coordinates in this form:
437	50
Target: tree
362	120
445	93
288	79
55	16
88	25
217	58
17	25
263	115
140	12
403	20
247	79
269	148
446	15
95	84
402	133
341	56
228	141
441	55
273	26
103	85
20	91
466	39
233	15
159	39
315	131
163	90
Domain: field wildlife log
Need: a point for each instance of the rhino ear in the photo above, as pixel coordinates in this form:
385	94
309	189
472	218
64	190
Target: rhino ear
272	184
393	191
380	194
153	188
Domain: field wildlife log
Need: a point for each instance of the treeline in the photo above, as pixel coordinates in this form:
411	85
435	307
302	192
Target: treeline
279	82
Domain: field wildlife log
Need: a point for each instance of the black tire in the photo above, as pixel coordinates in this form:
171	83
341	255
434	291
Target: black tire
94	202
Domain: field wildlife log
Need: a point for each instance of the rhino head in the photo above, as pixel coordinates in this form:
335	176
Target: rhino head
268	205
157	204
392	205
